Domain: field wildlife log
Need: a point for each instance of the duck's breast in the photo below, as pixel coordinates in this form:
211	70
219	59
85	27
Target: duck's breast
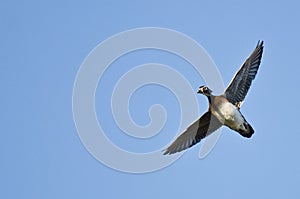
227	113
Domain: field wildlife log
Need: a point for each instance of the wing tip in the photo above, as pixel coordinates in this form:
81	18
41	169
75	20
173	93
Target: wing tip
259	49
260	44
166	152
169	151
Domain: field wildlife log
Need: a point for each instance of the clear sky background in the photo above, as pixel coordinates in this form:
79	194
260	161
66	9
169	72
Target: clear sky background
42	47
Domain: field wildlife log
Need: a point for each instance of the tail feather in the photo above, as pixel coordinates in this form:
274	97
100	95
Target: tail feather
247	131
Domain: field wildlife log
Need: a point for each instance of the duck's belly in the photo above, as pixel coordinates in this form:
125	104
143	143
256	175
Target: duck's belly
229	115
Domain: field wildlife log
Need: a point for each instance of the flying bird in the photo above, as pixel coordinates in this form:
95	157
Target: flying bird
223	109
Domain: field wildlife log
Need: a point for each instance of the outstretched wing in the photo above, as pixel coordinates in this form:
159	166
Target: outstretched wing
240	84
198	130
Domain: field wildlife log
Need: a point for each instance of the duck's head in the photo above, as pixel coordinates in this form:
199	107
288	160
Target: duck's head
204	90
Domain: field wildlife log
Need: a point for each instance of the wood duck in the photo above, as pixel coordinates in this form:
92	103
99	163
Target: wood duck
223	109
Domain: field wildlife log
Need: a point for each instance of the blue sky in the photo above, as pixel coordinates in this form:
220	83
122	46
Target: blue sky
42	48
